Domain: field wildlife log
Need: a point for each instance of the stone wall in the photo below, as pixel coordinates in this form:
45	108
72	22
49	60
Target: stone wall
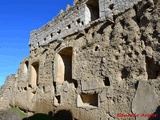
6	92
77	18
109	67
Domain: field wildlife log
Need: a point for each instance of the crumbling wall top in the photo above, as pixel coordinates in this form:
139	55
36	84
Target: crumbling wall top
76	18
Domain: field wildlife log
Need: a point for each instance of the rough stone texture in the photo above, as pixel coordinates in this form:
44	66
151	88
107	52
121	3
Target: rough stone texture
77	18
96	68
9	115
145	100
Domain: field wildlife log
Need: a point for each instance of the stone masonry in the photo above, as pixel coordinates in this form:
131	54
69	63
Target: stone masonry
99	59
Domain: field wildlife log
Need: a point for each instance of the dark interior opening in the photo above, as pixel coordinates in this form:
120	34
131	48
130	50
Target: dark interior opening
58	99
91	99
93	6
125	73
153	68
106	81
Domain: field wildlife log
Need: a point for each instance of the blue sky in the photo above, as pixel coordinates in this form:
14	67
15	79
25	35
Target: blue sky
17	19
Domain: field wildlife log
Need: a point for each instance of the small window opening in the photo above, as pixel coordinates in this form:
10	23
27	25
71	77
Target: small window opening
51	35
125	73
59	32
111	6
106	81
44	89
68	26
93	34
86	30
96	48
78	21
153	68
57	100
82	23
29	86
25	88
75	83
34	92
136	85
116	57
87	100
38	44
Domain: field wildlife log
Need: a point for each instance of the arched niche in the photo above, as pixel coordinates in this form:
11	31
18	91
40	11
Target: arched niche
63	66
34	73
91	11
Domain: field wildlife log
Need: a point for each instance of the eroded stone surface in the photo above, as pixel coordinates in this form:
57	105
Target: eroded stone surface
97	62
145	100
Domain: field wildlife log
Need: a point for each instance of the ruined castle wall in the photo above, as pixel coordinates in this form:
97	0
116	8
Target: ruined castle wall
6	92
78	18
109	67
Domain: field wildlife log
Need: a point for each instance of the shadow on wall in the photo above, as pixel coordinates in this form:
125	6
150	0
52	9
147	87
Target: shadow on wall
155	115
60	115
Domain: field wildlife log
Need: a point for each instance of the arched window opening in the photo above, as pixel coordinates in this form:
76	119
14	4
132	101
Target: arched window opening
92	10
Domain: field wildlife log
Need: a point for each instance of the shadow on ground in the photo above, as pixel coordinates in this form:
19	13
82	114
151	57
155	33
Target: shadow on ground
60	115
155	115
